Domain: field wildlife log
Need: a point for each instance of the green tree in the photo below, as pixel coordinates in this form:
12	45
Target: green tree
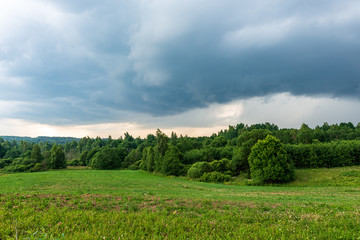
106	158
162	142
305	134
198	169
219	141
83	156
90	155
246	141
222	165
148	162
57	158
134	156
269	162
172	162
36	154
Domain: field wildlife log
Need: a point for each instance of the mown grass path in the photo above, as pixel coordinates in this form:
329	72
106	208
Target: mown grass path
89	204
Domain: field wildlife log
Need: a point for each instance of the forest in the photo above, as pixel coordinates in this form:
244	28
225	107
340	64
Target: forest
263	153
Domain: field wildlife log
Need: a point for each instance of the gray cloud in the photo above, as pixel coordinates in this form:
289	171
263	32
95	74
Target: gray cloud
87	62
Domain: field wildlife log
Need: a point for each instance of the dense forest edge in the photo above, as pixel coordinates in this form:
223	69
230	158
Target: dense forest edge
261	153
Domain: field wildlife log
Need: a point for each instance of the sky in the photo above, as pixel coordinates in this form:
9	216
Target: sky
100	68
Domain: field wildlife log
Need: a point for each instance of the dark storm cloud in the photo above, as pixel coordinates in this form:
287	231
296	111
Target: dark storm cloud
91	62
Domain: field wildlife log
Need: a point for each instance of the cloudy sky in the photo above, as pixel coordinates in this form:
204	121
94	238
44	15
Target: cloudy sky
99	68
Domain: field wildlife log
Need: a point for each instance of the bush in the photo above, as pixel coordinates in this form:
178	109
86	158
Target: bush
131	158
198	169
240	160
215	177
37	168
23	165
136	166
74	163
269	162
106	158
333	154
222	165
5	162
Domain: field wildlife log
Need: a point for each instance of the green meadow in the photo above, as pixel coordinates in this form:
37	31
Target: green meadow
125	204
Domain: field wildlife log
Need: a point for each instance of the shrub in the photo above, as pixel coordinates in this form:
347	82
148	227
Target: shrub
74	163
136	166
131	158
106	158
240	160
215	177
37	168
5	162
269	162
222	165
23	165
333	154
198	169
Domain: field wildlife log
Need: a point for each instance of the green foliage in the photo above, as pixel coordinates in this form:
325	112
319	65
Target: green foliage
222	165
198	169
83	156
162	142
269	162
90	155
215	177
172	162
106	158
185	144
305	134
219	141
334	154
314	147
12	153
239	162
38	167
36	154
136	165
246	141
148	159
41	139
5	162
193	156
57	158
211	153
24	165
74	163
134	156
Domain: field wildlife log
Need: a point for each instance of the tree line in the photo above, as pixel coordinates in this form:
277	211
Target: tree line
256	151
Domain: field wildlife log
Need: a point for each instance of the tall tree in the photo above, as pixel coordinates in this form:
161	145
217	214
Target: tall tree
57	158
36	153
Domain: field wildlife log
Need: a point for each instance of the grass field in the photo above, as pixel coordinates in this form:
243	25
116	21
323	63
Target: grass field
90	204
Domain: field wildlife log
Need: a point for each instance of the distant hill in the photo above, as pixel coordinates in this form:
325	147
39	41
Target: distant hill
58	140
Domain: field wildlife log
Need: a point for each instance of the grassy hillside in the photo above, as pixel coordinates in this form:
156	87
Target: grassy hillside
89	204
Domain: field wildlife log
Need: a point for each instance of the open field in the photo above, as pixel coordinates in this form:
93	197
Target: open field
90	204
